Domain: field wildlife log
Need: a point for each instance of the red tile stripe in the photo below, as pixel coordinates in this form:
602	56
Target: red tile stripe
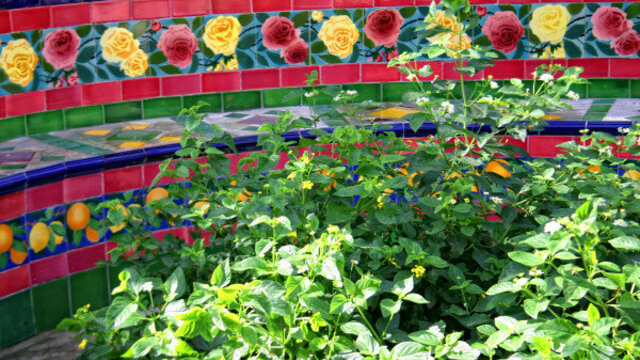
149	87
45	17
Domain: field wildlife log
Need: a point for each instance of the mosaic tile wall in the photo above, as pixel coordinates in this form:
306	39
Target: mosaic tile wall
72	63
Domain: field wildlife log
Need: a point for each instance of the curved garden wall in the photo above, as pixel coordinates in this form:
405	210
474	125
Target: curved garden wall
232	68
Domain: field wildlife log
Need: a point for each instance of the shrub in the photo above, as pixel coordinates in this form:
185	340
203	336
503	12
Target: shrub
364	245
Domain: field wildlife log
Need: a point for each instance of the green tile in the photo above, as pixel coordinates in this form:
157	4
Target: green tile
10	148
131	110
580	89
12	128
365	91
44	122
276	98
16	319
236	115
83	116
241	100
604	101
89	287
321	98
394	91
635	88
50	303
51	158
160	107
12	166
594	116
609	88
214	101
600	108
138	135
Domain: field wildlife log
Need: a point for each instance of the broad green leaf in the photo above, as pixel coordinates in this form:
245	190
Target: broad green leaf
502	287
626	243
122	313
389	307
221	276
592	313
141	347
175	285
526	258
542	345
330	270
425	337
252	263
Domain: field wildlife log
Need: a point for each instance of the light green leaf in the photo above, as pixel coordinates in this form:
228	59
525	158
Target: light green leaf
626	243
526	258
389	307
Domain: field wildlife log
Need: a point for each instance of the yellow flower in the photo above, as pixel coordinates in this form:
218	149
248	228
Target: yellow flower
292	176
221	34
118	44
452	41
339	34
232	64
82	344
449	22
558	53
332	229
317	16
18	60
293	234
549	23
393	261
136	64
418	271
307	185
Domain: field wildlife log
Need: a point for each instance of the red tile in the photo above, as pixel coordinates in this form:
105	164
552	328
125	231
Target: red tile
150	171
260	79
86	258
531	65
340	74
449	74
378	73
12	205
519	1
122	179
140	88
105	11
25	103
311	4
72	14
63	97
44	196
352	3
394	3
506	69
295	75
545	146
190	7
150	9
5	22
101	93
221	81
271	5
593	68
624	68
30	19
3	107
82	187
181	85
230	7
49	268
14	280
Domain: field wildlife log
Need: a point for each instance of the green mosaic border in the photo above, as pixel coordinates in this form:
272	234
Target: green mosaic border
84	116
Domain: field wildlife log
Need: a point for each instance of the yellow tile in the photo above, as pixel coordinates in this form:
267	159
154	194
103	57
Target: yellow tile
396	113
133	144
170	139
97	132
551	117
135	127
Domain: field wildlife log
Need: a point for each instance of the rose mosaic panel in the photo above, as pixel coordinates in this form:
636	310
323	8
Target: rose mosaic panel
54	58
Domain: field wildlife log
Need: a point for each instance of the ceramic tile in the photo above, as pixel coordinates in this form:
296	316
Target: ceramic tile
89	287
46	232
45	122
123	111
276	98
81	220
154	108
50	304
12	127
609	88
17	255
326	51
396	113
241	100
83	116
48	269
85	258
16	319
371	92
213	102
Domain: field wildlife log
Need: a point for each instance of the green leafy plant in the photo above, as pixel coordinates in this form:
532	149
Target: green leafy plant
358	244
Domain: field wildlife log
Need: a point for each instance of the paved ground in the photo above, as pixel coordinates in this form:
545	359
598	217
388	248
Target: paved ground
49	345
40	150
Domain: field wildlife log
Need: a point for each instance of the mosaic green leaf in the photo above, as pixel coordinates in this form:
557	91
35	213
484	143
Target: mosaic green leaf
407	12
244	60
246	41
180	21
633	10
12	88
3	76
85	74
575	8
300	19
605	48
19	35
331	59
100	28
197	22
245	19
575	31
86	54
318	47
35	36
275	57
157	58
83	30
524	11
508	8
170	69
140	27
